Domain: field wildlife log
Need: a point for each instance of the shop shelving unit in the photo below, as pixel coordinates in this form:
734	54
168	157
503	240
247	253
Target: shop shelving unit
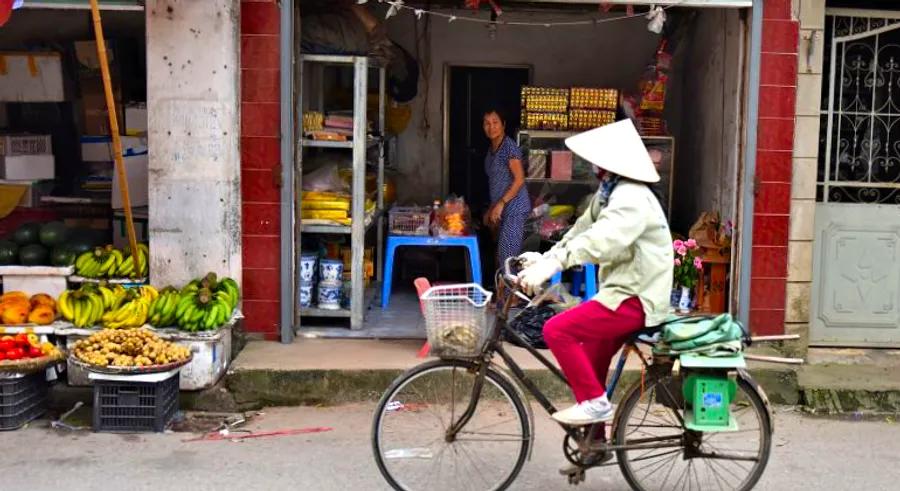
526	137
360	143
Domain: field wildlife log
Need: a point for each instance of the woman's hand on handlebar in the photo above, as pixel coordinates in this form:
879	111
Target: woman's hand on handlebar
533	277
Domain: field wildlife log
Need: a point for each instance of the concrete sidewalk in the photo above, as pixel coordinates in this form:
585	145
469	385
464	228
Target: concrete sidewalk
337	371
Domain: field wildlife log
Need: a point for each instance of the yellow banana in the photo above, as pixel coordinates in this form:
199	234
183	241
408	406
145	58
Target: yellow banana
65	305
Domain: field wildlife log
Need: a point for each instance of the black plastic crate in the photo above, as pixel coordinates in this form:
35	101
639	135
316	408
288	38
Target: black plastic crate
131	407
22	399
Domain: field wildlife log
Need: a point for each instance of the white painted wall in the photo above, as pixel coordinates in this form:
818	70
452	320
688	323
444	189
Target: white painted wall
194	127
607	55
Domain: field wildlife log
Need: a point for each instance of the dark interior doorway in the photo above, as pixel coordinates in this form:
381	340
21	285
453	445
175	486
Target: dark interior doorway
471	91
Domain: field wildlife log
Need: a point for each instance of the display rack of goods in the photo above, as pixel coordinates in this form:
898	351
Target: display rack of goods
594	98
585	119
109	262
17	309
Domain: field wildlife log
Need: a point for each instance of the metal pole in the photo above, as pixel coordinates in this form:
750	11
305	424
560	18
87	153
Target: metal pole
287	167
358	225
748	187
114	133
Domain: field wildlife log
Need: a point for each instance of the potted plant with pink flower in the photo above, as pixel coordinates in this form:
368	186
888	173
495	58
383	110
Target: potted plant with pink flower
688	267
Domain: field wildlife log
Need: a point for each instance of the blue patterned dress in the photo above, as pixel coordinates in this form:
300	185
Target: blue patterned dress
515	213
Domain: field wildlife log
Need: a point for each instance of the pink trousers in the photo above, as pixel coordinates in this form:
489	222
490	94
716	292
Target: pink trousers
585	339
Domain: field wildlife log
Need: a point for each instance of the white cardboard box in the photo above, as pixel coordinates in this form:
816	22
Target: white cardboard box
25	145
31	77
36	279
99	148
136	119
136	167
27	167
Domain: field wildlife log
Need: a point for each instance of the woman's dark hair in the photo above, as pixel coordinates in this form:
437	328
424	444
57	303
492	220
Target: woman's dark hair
495	110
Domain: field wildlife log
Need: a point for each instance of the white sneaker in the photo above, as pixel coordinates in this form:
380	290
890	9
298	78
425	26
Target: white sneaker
597	410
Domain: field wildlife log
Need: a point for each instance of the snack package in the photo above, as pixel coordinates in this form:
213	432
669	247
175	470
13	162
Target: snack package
453	218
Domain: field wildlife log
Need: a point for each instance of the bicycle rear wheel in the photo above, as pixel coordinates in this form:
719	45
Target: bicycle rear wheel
410	440
689	460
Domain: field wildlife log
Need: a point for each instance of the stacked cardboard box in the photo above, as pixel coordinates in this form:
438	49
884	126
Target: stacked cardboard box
26	161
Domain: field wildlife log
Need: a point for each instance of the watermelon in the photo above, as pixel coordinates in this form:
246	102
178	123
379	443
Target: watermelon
53	233
62	256
9	252
33	255
27	234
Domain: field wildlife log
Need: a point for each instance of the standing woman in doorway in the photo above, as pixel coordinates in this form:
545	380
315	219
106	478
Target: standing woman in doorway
510	205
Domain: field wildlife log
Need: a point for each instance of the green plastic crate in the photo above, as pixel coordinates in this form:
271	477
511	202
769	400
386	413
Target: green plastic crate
709	397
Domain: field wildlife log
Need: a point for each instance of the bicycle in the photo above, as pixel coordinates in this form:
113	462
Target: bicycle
423	440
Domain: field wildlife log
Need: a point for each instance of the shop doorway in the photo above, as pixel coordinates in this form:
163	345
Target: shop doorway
856	266
470	91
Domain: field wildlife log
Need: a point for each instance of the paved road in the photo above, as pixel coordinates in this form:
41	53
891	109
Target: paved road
808	453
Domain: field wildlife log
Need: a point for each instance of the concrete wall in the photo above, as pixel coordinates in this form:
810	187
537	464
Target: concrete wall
811	16
195	186
707	120
588	55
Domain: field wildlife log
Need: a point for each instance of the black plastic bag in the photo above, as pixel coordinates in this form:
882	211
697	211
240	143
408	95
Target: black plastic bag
529	324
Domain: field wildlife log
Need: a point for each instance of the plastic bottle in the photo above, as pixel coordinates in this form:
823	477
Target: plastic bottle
435	206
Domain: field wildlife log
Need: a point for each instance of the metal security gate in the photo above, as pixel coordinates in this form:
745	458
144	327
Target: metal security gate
856	263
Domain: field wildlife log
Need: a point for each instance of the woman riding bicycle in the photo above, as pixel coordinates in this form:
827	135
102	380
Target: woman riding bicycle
625	232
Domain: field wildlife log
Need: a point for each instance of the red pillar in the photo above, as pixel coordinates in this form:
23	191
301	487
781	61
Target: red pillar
775	145
260	162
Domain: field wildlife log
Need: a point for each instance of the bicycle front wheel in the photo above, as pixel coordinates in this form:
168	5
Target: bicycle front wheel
414	449
661	454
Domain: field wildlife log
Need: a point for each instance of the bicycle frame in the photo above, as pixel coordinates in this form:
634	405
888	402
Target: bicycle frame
495	345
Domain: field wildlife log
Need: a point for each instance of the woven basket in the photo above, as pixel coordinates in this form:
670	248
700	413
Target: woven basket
30	365
129	370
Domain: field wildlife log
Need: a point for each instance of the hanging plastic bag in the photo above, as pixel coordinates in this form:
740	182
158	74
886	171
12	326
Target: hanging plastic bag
453	218
529	323
326	178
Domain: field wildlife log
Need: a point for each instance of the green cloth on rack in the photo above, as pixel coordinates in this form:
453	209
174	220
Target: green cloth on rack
720	335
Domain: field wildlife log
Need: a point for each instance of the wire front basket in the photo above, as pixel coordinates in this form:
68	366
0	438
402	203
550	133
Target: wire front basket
456	319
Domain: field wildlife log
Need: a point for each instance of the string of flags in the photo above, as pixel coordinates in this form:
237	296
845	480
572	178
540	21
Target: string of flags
656	15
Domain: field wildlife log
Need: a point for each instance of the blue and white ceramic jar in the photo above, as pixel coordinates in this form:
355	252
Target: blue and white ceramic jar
305	295
331	270
308	266
330	295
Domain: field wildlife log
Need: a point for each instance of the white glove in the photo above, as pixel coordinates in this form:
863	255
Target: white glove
529	258
534	276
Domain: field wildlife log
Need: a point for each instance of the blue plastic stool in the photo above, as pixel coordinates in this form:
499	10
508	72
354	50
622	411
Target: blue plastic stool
395	241
588	275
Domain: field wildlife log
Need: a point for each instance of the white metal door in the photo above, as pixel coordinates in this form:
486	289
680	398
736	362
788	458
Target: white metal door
856	265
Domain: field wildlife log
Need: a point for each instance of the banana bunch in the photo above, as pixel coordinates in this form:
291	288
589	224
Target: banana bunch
82	307
113	296
109	262
130	269
225	287
102	262
162	310
202	310
133	311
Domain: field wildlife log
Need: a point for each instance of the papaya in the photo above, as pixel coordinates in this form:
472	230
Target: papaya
14	294
15	314
42	315
43	299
